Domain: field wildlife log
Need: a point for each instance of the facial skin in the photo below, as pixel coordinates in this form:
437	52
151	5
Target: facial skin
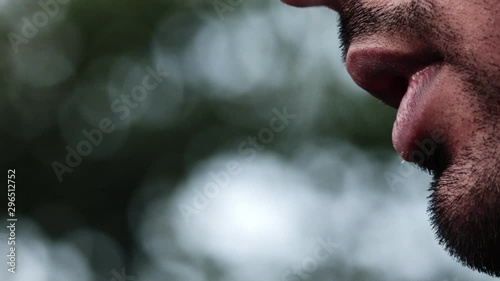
456	45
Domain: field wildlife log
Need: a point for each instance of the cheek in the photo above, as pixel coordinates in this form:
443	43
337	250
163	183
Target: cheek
477	24
385	3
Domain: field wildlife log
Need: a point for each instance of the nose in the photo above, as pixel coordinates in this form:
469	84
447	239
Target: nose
334	4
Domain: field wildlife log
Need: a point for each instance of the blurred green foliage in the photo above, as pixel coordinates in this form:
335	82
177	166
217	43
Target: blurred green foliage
98	39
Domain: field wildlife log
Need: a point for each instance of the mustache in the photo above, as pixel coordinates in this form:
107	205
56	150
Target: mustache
415	19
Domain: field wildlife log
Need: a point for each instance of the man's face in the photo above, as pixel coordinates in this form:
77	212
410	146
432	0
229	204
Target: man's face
438	63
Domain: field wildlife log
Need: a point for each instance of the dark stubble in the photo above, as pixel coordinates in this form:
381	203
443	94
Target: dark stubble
465	193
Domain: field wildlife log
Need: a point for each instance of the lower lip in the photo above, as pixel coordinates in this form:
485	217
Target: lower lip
411	118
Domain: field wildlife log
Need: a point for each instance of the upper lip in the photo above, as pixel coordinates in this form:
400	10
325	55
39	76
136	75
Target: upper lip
386	74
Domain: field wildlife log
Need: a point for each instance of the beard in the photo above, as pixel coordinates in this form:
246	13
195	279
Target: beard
465	192
464	201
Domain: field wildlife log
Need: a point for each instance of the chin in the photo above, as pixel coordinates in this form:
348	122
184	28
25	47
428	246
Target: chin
465	206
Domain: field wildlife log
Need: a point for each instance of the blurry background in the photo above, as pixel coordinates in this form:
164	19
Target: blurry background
201	140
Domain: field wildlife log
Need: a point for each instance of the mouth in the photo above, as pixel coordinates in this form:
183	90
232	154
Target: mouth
332	4
404	81
410	125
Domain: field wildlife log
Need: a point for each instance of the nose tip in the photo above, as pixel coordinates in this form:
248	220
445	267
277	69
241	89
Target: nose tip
334	4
